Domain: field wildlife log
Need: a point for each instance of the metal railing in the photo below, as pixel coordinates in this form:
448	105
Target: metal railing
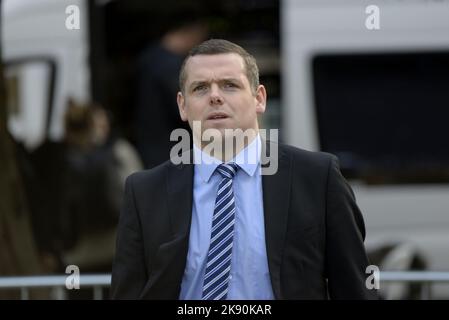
100	281
95	281
425	278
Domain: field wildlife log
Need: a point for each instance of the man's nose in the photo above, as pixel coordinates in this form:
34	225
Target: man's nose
215	96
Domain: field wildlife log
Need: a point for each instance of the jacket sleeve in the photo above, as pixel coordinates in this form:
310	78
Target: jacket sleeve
346	259
128	273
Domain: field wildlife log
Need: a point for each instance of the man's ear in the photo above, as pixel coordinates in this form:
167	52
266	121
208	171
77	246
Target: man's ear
261	99
181	106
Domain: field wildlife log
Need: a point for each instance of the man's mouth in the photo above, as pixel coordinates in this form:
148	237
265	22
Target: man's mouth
217	116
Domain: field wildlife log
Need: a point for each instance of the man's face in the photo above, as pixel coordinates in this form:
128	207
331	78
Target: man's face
217	93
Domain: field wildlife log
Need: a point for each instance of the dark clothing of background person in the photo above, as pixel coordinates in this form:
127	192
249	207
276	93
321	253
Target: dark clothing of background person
157	112
69	194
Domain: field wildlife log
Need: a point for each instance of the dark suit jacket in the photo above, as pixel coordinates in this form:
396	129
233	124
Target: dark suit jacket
313	228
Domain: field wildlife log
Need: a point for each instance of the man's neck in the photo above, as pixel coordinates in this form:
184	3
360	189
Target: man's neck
226	149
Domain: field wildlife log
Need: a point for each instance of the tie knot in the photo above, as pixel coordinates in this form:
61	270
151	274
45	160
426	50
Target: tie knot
228	170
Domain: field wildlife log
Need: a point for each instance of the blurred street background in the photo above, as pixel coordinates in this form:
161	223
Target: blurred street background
88	96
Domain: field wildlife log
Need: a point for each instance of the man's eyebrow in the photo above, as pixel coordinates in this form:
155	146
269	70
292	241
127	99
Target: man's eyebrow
230	79
203	82
196	83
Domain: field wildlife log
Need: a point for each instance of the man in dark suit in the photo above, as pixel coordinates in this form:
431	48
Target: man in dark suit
226	228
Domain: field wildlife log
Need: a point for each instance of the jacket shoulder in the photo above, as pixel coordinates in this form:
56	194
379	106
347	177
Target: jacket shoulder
145	178
305	157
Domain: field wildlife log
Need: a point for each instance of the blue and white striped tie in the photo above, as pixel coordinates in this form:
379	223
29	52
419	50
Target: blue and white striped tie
218	267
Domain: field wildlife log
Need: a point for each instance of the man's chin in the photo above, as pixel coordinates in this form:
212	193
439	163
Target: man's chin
222	128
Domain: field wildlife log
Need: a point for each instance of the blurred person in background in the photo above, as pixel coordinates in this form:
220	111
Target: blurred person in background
78	186
121	157
157	85
19	254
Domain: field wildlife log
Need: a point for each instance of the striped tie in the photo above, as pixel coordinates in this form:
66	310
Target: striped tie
218	267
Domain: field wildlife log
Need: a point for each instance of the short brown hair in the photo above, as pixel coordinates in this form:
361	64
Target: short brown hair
219	46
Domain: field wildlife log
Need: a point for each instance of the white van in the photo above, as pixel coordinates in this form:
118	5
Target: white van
379	100
45	63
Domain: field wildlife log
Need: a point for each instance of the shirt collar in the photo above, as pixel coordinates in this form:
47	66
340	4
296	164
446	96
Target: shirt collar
248	160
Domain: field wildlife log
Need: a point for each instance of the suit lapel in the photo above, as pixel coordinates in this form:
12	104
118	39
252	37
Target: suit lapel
276	199
171	256
180	194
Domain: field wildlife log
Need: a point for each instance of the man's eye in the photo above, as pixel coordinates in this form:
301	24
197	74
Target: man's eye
230	85
199	88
